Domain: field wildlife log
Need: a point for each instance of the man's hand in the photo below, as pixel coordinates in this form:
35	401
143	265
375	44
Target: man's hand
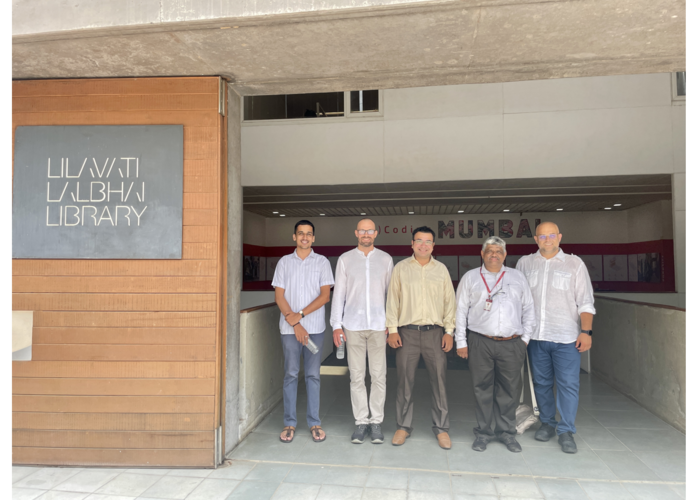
447	342
463	352
583	342
293	318
336	336
301	334
394	340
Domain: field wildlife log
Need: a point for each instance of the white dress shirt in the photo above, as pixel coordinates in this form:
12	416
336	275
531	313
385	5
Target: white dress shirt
512	310
562	291
360	289
302	281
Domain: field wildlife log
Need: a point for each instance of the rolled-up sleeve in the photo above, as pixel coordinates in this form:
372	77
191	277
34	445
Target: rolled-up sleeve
393	301
448	319
584	291
462	313
339	295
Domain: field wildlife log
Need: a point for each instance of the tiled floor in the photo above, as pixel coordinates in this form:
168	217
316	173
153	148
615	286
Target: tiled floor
625	452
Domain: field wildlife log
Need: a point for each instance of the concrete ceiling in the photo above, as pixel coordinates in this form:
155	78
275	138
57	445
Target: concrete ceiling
385	46
573	194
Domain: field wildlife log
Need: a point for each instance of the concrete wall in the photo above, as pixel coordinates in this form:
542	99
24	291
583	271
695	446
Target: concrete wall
546	128
640	351
261	370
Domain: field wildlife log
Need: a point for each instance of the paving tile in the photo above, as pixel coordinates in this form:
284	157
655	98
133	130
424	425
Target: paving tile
429	481
598	438
679	489
472	484
495	460
337	450
650	440
346	476
191	472
668	465
152	472
46	478
516	487
394	479
599	490
307	474
627	466
213	489
290	491
63	495
384	494
583	465
22	472
258	446
642	491
334	492
128	484
269	472
556	489
25	493
253	490
428	495
340	426
528	440
237	470
174	487
609	403
97	496
87	481
638	419
462	496
411	455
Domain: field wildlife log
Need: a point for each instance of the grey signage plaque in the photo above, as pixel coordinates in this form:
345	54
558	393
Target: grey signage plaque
98	192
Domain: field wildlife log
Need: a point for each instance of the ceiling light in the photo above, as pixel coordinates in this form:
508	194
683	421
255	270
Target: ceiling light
410	213
506	210
460	211
321	214
617	205
608	208
362	213
282	215
275	212
559	209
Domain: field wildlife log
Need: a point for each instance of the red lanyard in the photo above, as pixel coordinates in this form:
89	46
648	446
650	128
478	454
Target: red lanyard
494	286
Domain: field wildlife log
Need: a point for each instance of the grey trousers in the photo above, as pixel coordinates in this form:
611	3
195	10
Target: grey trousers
360	346
495	366
428	344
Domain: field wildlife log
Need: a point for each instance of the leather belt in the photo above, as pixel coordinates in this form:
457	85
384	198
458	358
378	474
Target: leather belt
500	339
421	328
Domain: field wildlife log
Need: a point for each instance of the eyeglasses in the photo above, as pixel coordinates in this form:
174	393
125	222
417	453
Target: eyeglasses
543	237
421	242
362	232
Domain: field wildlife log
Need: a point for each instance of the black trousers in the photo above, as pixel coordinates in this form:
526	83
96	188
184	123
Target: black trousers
495	367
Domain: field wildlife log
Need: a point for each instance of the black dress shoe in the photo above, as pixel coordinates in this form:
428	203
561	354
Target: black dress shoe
545	432
511	443
567	443
480	443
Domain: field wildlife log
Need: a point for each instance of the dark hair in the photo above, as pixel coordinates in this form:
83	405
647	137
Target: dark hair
305	222
423	229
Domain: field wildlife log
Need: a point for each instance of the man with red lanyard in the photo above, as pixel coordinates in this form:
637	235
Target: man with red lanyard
495	306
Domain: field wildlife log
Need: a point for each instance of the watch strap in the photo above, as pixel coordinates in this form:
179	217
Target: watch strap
589	332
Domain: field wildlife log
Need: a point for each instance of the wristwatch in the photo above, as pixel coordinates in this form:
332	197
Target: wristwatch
589	332
302	313
451	334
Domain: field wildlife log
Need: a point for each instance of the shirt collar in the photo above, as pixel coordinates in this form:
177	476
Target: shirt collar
484	270
294	254
560	255
413	259
363	253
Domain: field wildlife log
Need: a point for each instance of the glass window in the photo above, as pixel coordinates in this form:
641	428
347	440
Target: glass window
680	83
363	101
291	106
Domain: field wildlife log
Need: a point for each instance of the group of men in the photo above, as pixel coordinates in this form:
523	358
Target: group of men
499	315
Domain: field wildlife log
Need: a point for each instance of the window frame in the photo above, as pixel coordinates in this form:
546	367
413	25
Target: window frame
674	87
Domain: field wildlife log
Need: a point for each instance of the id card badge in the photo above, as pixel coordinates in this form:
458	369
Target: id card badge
487	305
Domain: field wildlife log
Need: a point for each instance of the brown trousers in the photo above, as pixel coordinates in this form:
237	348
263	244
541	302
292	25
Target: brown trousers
414	345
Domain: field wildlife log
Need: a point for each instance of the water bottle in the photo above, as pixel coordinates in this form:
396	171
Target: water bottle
340	353
312	347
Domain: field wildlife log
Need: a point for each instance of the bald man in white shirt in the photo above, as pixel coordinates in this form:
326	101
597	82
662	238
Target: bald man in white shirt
362	278
563	295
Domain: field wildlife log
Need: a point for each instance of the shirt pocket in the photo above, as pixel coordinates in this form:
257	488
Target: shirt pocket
532	277
561	280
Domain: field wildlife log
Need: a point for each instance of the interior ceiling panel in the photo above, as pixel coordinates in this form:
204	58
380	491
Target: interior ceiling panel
473	197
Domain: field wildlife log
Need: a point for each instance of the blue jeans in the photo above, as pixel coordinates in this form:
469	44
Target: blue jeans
550	361
293	350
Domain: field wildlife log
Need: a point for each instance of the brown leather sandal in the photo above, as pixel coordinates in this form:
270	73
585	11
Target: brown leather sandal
316	435
289	434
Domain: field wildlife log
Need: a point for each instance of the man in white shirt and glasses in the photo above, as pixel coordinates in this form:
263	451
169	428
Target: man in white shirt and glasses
563	294
302	281
362	277
495	304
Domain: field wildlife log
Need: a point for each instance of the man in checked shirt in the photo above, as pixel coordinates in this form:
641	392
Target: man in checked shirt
563	297
495	303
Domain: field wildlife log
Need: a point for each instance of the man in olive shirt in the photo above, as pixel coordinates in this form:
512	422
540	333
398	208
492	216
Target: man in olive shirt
420	316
